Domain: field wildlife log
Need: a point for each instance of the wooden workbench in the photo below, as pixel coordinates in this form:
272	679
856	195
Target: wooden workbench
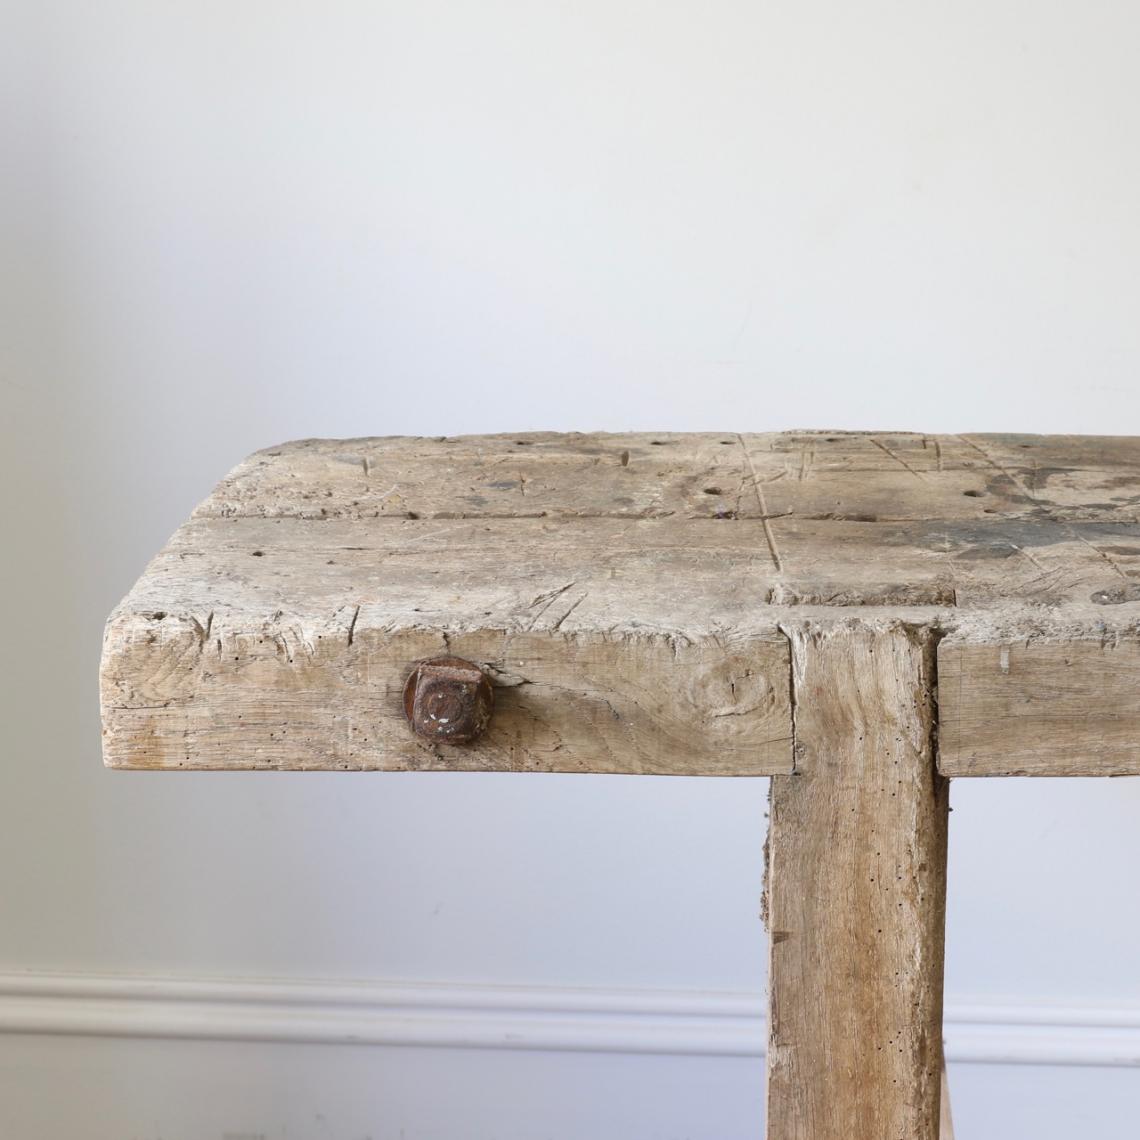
858	616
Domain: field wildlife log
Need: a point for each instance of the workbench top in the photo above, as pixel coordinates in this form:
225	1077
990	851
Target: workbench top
630	597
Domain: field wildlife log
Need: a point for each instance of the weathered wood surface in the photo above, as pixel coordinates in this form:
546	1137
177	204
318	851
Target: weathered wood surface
1040	708
845	518
282	643
863	477
652	579
856	894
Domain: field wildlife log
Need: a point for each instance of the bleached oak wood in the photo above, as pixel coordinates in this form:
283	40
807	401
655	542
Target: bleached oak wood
856	893
564	703
859	476
650	576
284	644
1040	708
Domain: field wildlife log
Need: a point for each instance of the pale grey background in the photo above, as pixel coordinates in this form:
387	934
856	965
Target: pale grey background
225	225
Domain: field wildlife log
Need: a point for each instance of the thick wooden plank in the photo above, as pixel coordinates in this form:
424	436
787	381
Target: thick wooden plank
508	476
279	643
274	699
848	518
1040	707
858	476
856	894
698	539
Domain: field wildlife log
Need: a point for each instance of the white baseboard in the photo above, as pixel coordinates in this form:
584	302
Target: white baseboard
513	1017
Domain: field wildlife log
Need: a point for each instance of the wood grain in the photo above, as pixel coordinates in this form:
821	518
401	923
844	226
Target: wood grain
280	643
682	554
277	697
856	894
1039	707
845	518
859	476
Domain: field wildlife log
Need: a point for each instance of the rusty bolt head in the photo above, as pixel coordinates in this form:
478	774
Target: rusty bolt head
448	700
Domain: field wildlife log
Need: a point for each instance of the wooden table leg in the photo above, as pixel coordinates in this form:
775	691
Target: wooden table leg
856	893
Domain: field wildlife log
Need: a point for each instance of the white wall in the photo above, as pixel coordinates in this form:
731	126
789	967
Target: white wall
225	225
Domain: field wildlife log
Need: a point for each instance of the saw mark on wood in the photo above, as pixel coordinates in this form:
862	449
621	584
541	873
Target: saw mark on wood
1000	468
807	458
545	601
1101	554
1025	553
202	632
765	520
897	458
573	607
1029	494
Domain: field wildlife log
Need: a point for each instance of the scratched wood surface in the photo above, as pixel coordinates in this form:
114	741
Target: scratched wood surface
630	594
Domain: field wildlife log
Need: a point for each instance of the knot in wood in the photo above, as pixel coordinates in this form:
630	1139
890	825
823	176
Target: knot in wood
448	700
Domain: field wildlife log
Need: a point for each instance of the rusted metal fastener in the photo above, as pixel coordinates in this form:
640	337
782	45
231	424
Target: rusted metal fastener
448	700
